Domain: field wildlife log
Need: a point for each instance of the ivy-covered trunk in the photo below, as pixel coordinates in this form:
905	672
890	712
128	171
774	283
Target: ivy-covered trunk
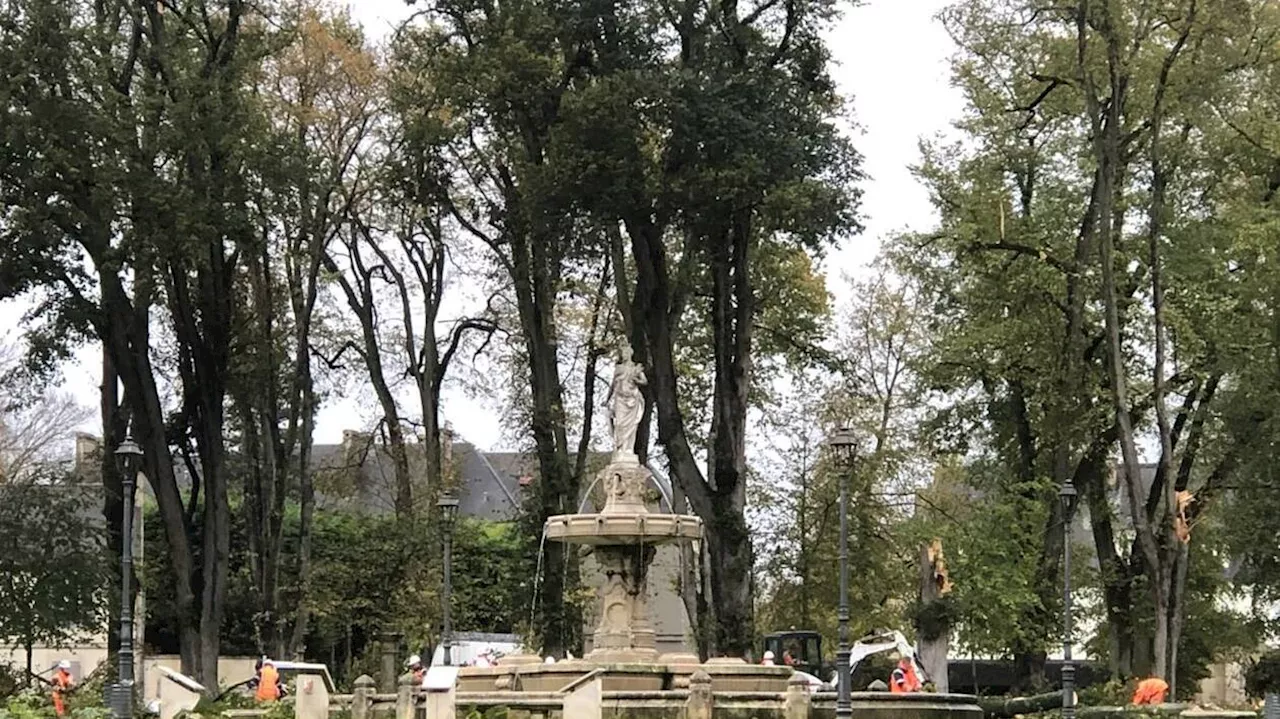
933	621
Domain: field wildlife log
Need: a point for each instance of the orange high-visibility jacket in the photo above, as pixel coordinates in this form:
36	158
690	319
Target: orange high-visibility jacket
904	679
61	683
268	684
1151	691
62	679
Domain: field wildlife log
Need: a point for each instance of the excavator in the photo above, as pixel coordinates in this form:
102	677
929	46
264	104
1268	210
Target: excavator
804	650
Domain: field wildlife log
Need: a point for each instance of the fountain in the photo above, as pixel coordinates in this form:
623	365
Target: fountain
624	534
635	679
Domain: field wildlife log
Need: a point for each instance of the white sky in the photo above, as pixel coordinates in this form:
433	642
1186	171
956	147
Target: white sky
891	56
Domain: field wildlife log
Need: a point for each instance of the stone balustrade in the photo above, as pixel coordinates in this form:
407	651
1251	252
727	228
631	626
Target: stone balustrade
583	698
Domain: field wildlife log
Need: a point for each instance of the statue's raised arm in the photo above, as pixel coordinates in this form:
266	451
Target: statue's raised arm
627	401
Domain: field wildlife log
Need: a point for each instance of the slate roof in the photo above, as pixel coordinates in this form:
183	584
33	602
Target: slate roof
360	476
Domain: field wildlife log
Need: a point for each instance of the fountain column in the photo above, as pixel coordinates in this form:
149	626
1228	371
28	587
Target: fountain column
624	632
624	535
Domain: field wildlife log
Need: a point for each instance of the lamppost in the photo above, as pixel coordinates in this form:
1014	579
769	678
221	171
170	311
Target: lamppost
844	443
1067	498
129	460
448	505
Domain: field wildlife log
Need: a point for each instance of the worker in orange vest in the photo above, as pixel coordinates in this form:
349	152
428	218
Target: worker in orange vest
1151	691
61	685
904	679
268	689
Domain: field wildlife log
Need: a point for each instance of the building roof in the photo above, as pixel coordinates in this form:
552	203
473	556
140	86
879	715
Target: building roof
358	474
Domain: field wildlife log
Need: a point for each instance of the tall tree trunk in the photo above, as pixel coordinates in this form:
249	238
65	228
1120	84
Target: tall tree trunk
1108	153
260	402
216	557
802	558
935	637
1029	650
306	526
125	335
535	273
1116	575
1177	612
360	299
719	499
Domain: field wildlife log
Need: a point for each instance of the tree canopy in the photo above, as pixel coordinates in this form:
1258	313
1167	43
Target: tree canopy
259	210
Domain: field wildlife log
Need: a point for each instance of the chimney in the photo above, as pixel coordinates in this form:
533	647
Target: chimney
88	453
354	446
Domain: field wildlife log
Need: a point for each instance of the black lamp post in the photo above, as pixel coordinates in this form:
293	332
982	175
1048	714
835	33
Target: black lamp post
845	445
129	460
1067	497
448	505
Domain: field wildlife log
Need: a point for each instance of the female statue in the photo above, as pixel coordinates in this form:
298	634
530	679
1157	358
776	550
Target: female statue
628	402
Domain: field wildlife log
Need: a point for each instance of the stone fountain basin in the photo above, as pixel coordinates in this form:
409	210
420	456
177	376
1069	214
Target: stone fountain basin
660	675
623	528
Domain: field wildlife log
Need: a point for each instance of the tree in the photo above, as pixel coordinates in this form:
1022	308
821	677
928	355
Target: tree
33	429
368	574
795	520
52	584
790	514
320	89
499	76
1055	304
89	139
876	354
731	158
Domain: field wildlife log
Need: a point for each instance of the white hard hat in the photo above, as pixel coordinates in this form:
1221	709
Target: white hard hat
415	659
64	664
768	655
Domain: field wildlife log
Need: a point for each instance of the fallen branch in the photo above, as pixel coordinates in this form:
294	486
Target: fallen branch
1008	707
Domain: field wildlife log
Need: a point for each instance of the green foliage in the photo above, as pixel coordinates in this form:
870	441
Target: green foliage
1263	675
370	574
1111	693
37	704
794	495
934	619
794	511
1017	357
53	586
206	707
985	544
28	705
11	680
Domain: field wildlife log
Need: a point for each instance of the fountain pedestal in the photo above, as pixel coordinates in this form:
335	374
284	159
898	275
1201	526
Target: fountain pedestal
624	633
625	536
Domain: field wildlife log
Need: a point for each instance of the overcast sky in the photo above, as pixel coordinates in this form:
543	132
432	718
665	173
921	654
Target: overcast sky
891	58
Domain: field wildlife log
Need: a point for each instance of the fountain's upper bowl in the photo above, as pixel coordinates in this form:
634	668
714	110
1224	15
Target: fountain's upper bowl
623	528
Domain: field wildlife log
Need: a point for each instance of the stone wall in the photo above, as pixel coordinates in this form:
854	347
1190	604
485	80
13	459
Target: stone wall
1224	686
